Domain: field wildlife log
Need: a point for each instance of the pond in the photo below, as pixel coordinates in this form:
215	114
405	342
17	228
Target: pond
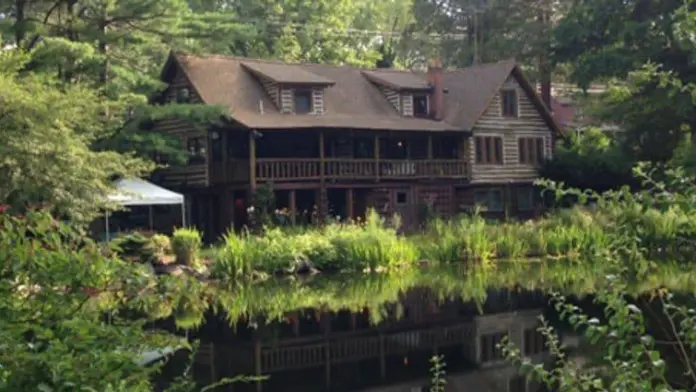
378	332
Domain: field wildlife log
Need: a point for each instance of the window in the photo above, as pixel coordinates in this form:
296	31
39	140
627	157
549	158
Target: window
420	106
508	99
489	150
534	342
517	384
196	149
490	199
216	146
525	199
303	101
401	198
531	150
183	95
489	347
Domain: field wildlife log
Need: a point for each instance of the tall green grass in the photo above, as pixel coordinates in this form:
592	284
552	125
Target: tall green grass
376	244
370	245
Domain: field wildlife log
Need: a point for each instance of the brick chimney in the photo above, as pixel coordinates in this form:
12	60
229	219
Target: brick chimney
437	96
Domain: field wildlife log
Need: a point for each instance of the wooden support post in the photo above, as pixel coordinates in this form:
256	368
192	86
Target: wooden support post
430	146
295	324
257	362
293	207
349	203
322	208
322	156
222	139
252	161
377	157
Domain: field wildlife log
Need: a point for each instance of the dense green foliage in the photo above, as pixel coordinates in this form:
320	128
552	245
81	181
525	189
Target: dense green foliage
75	81
591	160
65	308
47	132
653	224
648	47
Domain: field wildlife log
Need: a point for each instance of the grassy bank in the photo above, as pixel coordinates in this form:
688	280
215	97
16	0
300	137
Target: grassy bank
374	293
376	244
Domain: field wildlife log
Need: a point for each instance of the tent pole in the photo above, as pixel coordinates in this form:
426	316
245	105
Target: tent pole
107	225
149	216
183	213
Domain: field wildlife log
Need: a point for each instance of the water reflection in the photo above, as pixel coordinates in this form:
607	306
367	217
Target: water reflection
372	331
377	333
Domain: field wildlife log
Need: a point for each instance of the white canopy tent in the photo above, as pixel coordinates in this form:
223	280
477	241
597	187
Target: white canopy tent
138	192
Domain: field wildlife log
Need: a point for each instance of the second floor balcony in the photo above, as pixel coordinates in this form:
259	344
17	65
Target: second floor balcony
288	157
312	169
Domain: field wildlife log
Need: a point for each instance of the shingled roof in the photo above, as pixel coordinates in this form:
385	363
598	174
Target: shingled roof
398	80
352	101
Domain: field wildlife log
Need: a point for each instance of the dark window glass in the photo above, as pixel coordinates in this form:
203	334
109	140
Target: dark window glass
303	102
531	150
196	149
420	106
401	198
509	103
489	150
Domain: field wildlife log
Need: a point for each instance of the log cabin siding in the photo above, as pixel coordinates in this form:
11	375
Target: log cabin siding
441	197
392	96
272	89
195	175
528	123
317	100
286	100
407	105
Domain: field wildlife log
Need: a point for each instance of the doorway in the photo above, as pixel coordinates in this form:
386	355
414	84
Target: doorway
405	207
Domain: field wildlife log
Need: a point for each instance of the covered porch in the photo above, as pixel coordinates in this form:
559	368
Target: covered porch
240	156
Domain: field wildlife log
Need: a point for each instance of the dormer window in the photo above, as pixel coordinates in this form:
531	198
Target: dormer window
420	106
294	88
302	101
508	101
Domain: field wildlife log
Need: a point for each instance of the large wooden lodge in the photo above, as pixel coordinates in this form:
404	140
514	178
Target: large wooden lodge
343	139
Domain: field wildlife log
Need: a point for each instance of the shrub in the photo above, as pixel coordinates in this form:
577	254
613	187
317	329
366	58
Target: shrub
134	246
161	245
186	244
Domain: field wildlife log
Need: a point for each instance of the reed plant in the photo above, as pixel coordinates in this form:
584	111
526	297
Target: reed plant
376	244
371	245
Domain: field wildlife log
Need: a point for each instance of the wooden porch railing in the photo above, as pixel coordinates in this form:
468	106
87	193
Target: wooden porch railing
301	169
278	357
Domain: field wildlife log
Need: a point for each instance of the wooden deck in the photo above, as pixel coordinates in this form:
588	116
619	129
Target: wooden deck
308	169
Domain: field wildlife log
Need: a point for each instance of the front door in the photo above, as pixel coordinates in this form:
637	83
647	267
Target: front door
405	206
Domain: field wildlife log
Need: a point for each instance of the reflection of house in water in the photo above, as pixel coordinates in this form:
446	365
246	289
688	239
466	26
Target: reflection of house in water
313	350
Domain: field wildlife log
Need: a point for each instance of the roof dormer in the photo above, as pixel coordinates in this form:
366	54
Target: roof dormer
408	92
292	89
